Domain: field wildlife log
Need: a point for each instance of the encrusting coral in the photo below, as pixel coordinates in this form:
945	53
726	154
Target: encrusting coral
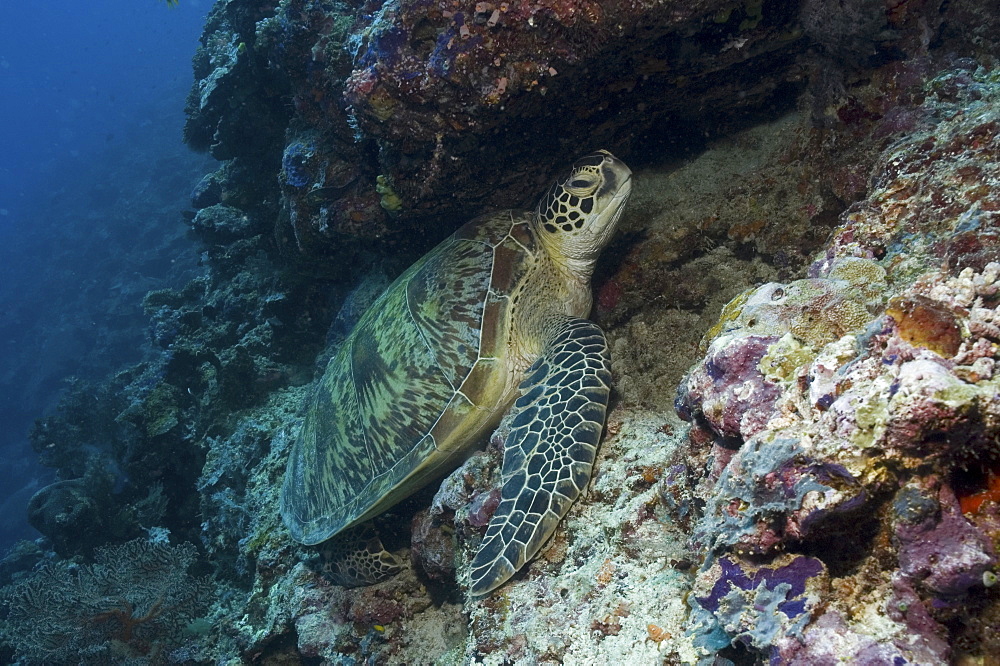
864	408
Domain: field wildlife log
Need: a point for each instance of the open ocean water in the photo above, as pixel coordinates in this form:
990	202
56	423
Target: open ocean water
93	179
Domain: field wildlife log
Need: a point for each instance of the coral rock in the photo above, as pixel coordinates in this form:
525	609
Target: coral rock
943	551
759	605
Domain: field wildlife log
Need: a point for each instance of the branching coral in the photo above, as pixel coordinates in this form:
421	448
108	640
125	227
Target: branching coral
134	601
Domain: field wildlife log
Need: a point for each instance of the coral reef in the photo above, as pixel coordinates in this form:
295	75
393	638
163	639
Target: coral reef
835	494
136	602
759	606
856	440
417	105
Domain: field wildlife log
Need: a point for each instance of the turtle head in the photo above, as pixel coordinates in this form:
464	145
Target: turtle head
578	215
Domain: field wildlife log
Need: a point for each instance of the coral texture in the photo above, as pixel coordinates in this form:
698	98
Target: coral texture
858	430
406	109
134	602
836	492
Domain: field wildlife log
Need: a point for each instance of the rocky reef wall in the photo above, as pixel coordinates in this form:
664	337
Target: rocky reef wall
852	417
386	117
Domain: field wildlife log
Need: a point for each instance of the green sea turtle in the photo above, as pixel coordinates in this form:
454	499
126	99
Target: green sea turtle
493	315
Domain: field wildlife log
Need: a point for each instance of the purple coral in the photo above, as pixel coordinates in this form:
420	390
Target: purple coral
890	403
728	390
771	493
757	605
943	551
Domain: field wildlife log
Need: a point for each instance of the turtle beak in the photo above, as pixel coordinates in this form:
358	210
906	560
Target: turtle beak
617	177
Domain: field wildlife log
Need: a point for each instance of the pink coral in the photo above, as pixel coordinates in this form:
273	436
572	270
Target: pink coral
728	390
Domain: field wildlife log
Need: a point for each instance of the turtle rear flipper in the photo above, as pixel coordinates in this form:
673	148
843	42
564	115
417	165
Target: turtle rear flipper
356	557
549	453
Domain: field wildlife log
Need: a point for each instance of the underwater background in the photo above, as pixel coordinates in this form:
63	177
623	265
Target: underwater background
93	179
801	458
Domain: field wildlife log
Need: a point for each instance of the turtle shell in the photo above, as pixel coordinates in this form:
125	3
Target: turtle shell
423	374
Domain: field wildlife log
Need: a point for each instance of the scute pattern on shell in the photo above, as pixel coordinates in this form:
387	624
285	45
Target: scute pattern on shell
421	364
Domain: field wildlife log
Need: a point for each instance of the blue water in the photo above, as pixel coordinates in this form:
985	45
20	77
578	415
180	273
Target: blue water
93	180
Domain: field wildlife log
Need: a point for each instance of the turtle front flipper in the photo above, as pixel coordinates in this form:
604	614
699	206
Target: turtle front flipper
549	453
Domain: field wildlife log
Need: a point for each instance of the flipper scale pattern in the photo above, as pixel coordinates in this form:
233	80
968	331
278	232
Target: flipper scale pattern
550	451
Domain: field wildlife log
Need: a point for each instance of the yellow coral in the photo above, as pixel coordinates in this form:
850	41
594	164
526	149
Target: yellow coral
815	310
382	104
866	276
784	358
730	313
390	201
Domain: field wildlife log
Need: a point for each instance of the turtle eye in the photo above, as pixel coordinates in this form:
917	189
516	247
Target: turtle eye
582	185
